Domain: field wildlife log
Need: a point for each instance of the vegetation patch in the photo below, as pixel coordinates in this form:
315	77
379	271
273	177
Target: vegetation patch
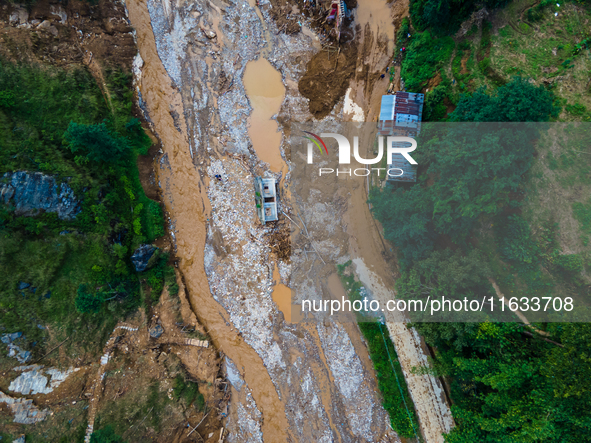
76	277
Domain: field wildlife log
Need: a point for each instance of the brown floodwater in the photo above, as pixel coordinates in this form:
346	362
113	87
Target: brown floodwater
281	295
266	92
190	210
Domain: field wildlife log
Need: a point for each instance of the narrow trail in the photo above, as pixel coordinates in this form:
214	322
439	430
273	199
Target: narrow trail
375	271
97	384
191	211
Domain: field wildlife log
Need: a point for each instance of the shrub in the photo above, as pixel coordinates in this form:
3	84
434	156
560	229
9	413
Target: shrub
86	302
106	435
99	144
424	56
570	262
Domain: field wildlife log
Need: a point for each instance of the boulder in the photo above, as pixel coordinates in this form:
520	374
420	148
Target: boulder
60	12
30	192
144	257
209	33
9	338
18	16
22	285
46	25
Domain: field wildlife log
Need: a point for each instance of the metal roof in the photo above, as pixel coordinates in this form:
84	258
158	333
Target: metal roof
402	110
401	114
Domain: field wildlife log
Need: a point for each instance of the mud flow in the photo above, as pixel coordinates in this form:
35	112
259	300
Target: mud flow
222	84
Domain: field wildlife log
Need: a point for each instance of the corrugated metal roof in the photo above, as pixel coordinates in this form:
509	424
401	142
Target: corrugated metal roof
403	110
401	114
387	109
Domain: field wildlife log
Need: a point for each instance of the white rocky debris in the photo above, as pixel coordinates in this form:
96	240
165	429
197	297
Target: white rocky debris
32	381
349	376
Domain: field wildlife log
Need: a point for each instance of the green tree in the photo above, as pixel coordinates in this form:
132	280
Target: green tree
475	166
97	142
406	217
106	435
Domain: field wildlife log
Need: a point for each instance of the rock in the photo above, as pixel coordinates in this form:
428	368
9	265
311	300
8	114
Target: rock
209	33
20	354
142	257
156	331
46	25
30	382
60	12
22	285
25	412
34	191
9	338
233	374
33	381
18	16
21	439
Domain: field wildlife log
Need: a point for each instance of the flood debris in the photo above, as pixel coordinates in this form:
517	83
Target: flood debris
284	389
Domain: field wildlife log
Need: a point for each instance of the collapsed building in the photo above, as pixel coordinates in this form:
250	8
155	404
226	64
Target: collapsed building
266	199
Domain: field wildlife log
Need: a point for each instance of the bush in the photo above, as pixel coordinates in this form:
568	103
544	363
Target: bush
407	220
106	435
424	57
517	244
188	391
99	144
517	101
86	302
434	107
572	263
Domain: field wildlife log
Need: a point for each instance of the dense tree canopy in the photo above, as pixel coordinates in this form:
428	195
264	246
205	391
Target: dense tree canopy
510	386
472	167
445	15
87	302
406	217
517	101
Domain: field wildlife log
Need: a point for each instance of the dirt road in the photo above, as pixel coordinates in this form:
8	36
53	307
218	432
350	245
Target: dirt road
368	249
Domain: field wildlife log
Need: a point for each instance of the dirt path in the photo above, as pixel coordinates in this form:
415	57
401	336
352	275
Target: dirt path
368	249
191	212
